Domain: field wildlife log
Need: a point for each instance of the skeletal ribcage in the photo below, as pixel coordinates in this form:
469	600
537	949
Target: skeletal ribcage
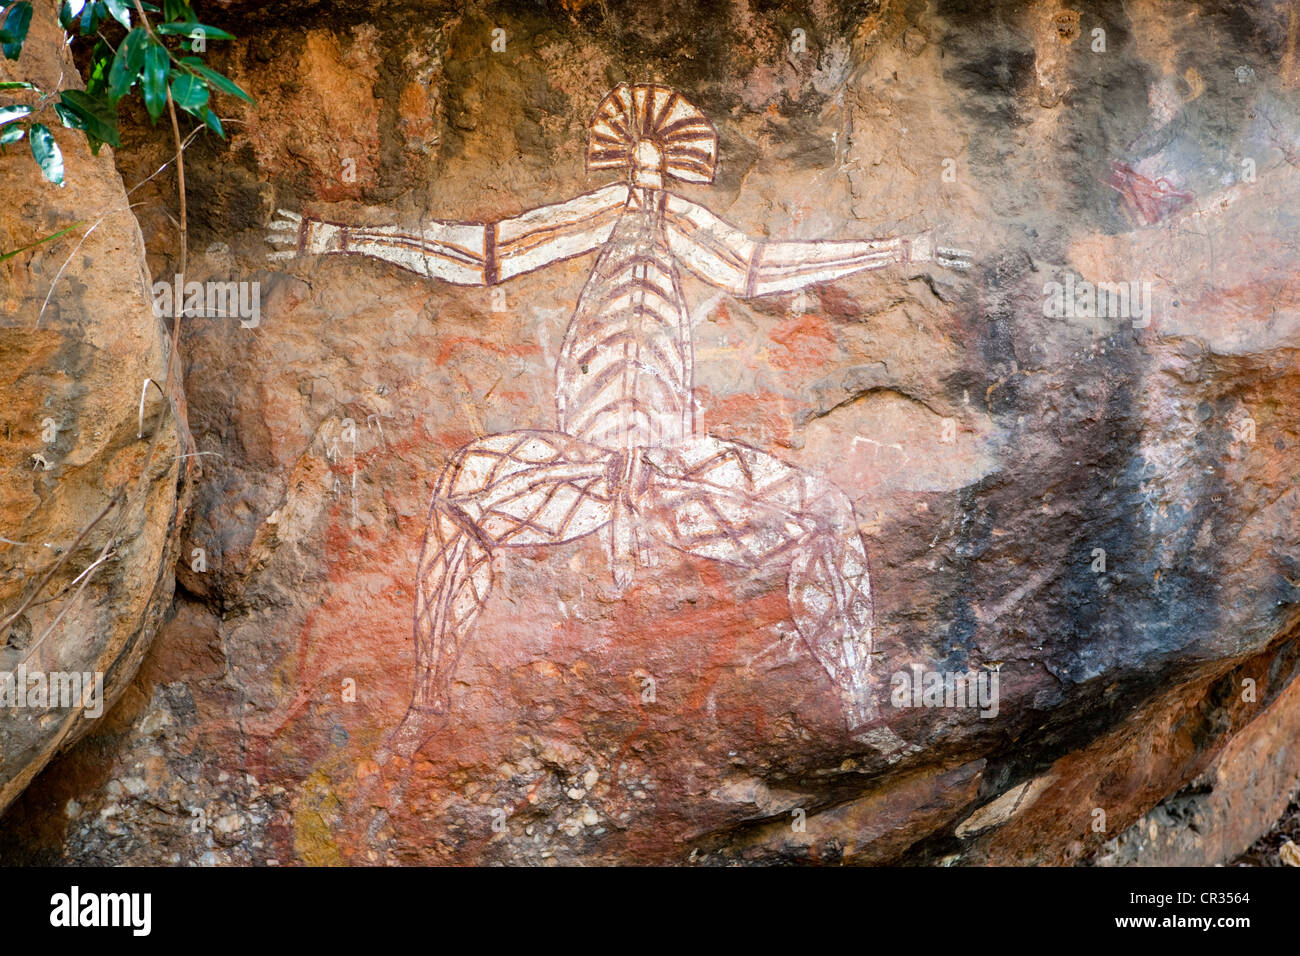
624	377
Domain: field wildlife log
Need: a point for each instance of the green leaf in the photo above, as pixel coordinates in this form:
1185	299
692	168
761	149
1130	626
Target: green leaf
223	84
17	85
154	81
101	59
193	30
91	14
47	153
177	10
213	123
70	119
121	12
10	113
189	92
99	117
32	245
12	134
18	17
68	13
127	64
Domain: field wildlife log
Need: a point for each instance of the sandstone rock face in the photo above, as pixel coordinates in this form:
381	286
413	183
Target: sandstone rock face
78	339
1216	816
1098	506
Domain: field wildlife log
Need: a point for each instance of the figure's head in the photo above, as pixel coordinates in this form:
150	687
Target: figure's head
654	133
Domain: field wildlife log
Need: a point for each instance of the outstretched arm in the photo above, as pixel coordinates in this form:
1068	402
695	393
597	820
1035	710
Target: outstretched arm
465	253
722	255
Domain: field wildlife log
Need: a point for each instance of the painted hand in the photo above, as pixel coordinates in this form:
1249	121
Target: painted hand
925	248
308	235
951	257
285	229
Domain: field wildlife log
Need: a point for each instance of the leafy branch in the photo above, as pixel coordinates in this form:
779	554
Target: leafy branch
157	58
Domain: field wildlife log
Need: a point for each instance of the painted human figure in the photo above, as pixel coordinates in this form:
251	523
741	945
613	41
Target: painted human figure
625	460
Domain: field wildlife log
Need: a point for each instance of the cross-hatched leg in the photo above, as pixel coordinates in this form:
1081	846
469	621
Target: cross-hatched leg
515	489
736	504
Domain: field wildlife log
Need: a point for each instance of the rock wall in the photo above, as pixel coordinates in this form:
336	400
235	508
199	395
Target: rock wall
1099	509
80	449
1216	816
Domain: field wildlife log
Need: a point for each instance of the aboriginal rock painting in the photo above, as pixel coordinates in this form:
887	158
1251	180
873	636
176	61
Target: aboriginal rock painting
624	460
